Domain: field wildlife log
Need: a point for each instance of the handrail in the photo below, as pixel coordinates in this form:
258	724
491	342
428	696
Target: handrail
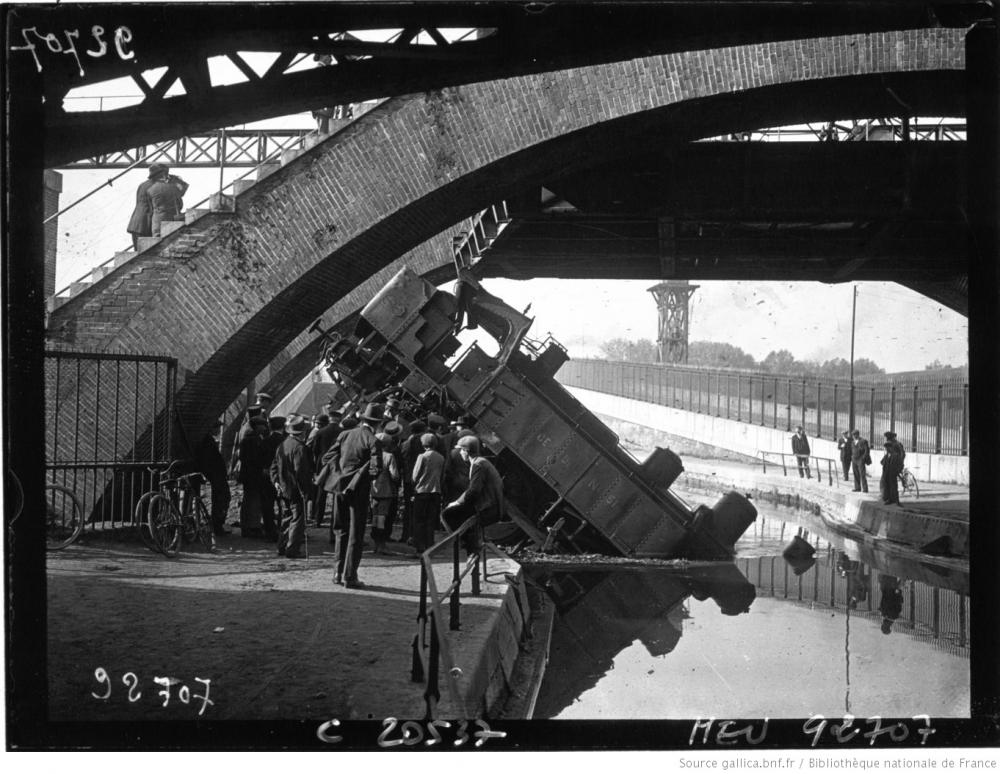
429	666
156	152
831	464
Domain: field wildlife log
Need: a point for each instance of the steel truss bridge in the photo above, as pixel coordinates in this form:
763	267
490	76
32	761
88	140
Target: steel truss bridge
253	147
165	52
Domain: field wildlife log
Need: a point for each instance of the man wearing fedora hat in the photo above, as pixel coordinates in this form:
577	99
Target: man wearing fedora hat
166	198
141	222
355	458
292	475
319	443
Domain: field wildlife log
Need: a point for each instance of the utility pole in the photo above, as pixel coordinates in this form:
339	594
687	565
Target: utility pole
854	309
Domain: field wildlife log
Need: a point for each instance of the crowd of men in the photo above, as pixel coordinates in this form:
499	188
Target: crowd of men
380	467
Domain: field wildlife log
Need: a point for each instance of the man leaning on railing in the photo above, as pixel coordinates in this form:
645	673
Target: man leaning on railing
483	498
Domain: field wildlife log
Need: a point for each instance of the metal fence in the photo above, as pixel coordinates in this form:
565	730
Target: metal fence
926	417
107	421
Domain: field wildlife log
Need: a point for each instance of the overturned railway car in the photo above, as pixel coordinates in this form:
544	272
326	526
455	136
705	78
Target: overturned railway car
569	484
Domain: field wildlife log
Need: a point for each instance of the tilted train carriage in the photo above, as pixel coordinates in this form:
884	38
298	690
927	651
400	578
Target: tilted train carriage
569	484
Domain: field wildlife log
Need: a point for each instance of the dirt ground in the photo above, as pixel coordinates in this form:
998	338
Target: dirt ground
134	635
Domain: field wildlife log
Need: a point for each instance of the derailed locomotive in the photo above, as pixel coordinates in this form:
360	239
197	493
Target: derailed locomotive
570	486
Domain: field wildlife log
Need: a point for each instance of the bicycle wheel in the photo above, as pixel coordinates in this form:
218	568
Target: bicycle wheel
142	522
203	525
910	483
63	517
165	525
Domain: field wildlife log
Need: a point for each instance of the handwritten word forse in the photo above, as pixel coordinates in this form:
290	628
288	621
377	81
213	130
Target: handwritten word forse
65	43
130	680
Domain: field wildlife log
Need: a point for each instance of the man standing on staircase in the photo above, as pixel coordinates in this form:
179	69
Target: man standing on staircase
166	196
141	222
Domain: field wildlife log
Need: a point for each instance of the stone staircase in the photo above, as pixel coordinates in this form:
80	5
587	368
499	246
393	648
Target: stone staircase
217	202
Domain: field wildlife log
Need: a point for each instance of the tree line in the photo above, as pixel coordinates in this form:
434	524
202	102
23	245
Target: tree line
718	354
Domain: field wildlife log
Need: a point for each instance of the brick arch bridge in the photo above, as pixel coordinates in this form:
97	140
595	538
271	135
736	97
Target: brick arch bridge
227	293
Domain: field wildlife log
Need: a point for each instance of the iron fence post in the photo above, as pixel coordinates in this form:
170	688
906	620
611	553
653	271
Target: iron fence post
454	622
433	667
775	403
965	419
819	409
892	408
937	420
803	421
871	416
836	412
417	664
916	396
750	399
788	405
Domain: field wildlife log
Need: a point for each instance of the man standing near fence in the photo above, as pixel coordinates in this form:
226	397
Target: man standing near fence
860	457
800	448
844	446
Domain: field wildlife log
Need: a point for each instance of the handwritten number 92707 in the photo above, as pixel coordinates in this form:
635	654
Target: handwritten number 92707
66	43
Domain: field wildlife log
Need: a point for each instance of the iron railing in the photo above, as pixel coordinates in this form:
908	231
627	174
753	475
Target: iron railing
930	418
108	418
832	466
428	655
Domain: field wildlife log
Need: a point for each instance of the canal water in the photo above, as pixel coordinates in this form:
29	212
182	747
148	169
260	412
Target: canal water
850	630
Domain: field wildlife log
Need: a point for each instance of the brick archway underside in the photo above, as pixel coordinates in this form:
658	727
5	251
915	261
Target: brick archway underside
301	240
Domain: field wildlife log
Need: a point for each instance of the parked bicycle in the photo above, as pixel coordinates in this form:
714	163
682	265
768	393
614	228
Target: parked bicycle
908	483
63	517
173	513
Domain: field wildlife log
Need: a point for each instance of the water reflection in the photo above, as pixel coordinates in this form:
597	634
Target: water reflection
602	612
767	635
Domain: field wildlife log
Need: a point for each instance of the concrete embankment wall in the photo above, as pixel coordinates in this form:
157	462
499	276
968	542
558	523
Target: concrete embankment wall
703	435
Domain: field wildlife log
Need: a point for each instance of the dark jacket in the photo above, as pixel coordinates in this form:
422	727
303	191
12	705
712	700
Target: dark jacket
800	444
141	222
167	201
208	459
252	460
845	445
323	439
485	492
354	458
860	450
292	469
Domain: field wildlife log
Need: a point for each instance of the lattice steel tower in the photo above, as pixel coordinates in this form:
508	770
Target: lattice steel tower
672	300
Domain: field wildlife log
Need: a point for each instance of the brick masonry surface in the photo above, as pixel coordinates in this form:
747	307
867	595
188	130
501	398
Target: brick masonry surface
227	293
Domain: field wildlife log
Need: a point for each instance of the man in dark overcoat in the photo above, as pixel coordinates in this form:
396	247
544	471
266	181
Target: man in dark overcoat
292	475
355	459
844	446
800	448
141	222
320	444
209	462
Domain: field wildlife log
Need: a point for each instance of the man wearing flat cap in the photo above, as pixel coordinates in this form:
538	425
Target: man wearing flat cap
892	466
292	475
483	497
355	459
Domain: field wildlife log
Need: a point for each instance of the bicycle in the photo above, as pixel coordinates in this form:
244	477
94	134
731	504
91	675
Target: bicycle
908	483
63	517
174	513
